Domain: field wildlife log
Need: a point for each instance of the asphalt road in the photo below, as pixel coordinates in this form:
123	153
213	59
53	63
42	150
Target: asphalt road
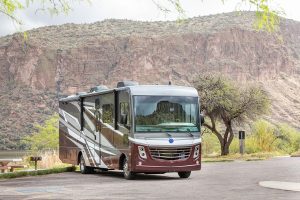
229	180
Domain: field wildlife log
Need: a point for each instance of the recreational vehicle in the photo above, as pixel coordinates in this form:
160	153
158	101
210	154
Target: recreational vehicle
134	128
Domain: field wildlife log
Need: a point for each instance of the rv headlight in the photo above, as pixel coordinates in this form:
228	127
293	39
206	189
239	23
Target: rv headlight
197	151
142	152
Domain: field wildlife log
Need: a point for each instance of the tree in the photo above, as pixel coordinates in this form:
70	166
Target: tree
222	101
46	136
9	7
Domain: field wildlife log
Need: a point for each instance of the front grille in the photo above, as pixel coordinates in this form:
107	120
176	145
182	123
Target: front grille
170	153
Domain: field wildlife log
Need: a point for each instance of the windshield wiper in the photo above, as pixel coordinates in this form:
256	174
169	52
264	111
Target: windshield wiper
169	134
191	134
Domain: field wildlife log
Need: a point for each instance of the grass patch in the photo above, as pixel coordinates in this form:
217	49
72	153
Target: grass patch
296	154
238	157
217	159
36	173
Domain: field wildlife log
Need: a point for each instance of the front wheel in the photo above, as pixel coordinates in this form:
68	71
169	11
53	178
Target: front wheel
184	174
127	174
83	168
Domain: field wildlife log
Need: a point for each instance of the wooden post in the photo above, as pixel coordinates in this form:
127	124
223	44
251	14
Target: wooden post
35	165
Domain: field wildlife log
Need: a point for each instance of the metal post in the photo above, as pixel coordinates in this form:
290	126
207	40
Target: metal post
35	159
242	141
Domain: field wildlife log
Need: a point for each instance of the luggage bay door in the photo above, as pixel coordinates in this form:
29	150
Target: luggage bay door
91	130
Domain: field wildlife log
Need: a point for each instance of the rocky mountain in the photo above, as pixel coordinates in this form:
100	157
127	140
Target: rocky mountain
65	59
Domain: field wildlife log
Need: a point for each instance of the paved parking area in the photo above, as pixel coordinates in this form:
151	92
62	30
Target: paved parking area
228	180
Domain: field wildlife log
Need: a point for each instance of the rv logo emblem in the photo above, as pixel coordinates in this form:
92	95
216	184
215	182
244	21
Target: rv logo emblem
171	140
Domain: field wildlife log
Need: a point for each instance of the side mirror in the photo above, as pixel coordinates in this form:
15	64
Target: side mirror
202	119
123	119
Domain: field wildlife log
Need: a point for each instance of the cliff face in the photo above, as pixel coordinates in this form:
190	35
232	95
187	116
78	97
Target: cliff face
70	58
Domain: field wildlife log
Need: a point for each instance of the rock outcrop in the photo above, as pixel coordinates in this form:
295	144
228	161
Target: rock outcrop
58	60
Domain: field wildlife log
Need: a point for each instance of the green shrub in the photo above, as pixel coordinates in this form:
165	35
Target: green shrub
289	139
210	144
250	145
296	154
264	138
46	136
234	147
261	139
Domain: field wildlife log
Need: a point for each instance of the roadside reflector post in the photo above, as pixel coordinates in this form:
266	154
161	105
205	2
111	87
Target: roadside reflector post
242	142
35	159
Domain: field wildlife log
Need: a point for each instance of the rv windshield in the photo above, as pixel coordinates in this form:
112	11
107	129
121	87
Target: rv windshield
166	114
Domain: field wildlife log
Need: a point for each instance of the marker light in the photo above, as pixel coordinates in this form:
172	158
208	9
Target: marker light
196	151
142	152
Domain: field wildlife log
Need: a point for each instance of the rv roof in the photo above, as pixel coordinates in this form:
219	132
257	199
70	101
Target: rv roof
154	90
163	90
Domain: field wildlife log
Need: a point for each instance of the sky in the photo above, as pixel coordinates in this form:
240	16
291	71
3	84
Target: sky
142	10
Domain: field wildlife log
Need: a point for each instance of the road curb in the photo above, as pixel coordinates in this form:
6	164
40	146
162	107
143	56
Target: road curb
279	185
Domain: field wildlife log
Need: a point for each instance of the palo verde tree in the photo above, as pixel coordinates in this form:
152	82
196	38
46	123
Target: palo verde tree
53	7
224	102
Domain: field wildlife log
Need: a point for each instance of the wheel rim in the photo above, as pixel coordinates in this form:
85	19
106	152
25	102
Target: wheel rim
81	165
125	168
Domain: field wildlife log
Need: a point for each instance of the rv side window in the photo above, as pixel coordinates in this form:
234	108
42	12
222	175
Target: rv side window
124	117
124	114
97	103
107	110
124	108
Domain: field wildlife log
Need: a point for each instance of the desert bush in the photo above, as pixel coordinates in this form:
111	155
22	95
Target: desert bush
46	136
250	145
261	139
210	144
289	139
44	143
234	147
50	159
296	154
264	137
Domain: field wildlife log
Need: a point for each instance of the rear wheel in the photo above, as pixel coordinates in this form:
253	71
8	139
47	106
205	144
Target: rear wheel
83	168
184	174
127	174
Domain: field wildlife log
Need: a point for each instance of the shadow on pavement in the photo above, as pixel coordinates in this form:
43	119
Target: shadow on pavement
141	176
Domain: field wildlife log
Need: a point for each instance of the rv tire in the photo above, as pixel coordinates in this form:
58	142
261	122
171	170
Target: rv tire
129	175
83	168
184	174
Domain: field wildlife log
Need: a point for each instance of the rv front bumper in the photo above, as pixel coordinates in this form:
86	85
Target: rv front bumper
163	159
